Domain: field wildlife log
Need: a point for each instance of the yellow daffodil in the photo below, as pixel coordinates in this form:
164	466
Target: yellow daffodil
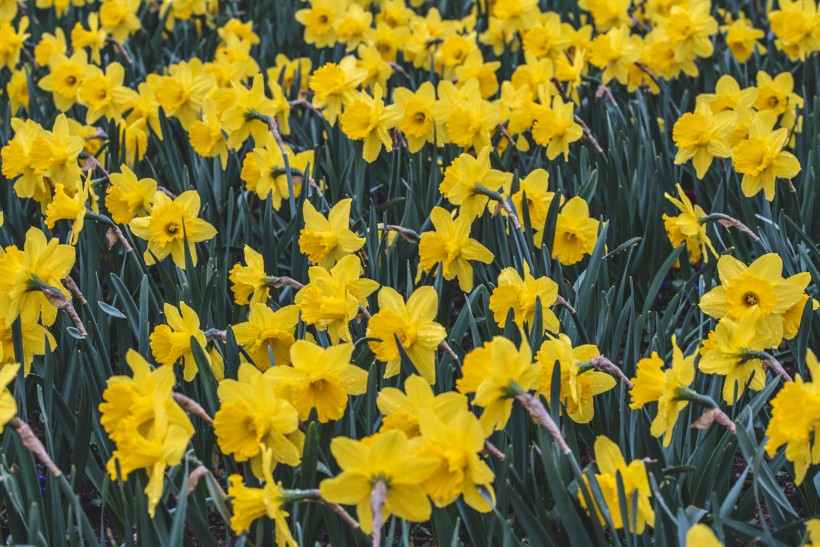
468	180
388	460
169	225
401	409
758	285
250	284
761	160
736	354
128	196
417	121
575	232
413	324
41	260
268	335
250	504
172	342
701	136
450	245
253	417
149	428
521	295
496	372
612	469
579	381
654	384
334	85
688	227
332	298
796	420
555	128
320	379
327	240
455	445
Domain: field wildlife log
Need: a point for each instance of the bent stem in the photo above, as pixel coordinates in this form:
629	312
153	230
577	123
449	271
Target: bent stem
541	417
730	222
502	203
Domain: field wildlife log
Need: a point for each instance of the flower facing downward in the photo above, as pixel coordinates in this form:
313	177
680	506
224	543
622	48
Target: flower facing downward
413	324
467	180
688	227
320	379
388	459
521	296
611	467
250	284
653	384
795	420
128	196
326	240
172	342
268	335
701	136
170	223
250	504
496	372
402	409
575	232
450	245
253	417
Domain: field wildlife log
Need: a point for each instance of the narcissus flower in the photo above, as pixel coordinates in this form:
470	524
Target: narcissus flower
737	354
8	405
327	240
417	121
575	232
455	445
688	227
318	21
206	135
149	428
466	116
254	417
250	504
612	469
44	260
172	342
795	26
268	335
65	207
54	154
334	85
700	535
555	128
579	381
11	42
496	372
401	409
102	92
776	94
182	91
320	379
521	296
615	52
169	225
413	324
242	118
332	298
761	159
450	245
534	195
701	136
389	460
64	78
468	179
742	38
795	420
654	384
758	285
691	28
250	284
129	196
264	173
728	96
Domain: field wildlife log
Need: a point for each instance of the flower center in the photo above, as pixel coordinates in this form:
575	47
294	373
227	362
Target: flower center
171	229
750	299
